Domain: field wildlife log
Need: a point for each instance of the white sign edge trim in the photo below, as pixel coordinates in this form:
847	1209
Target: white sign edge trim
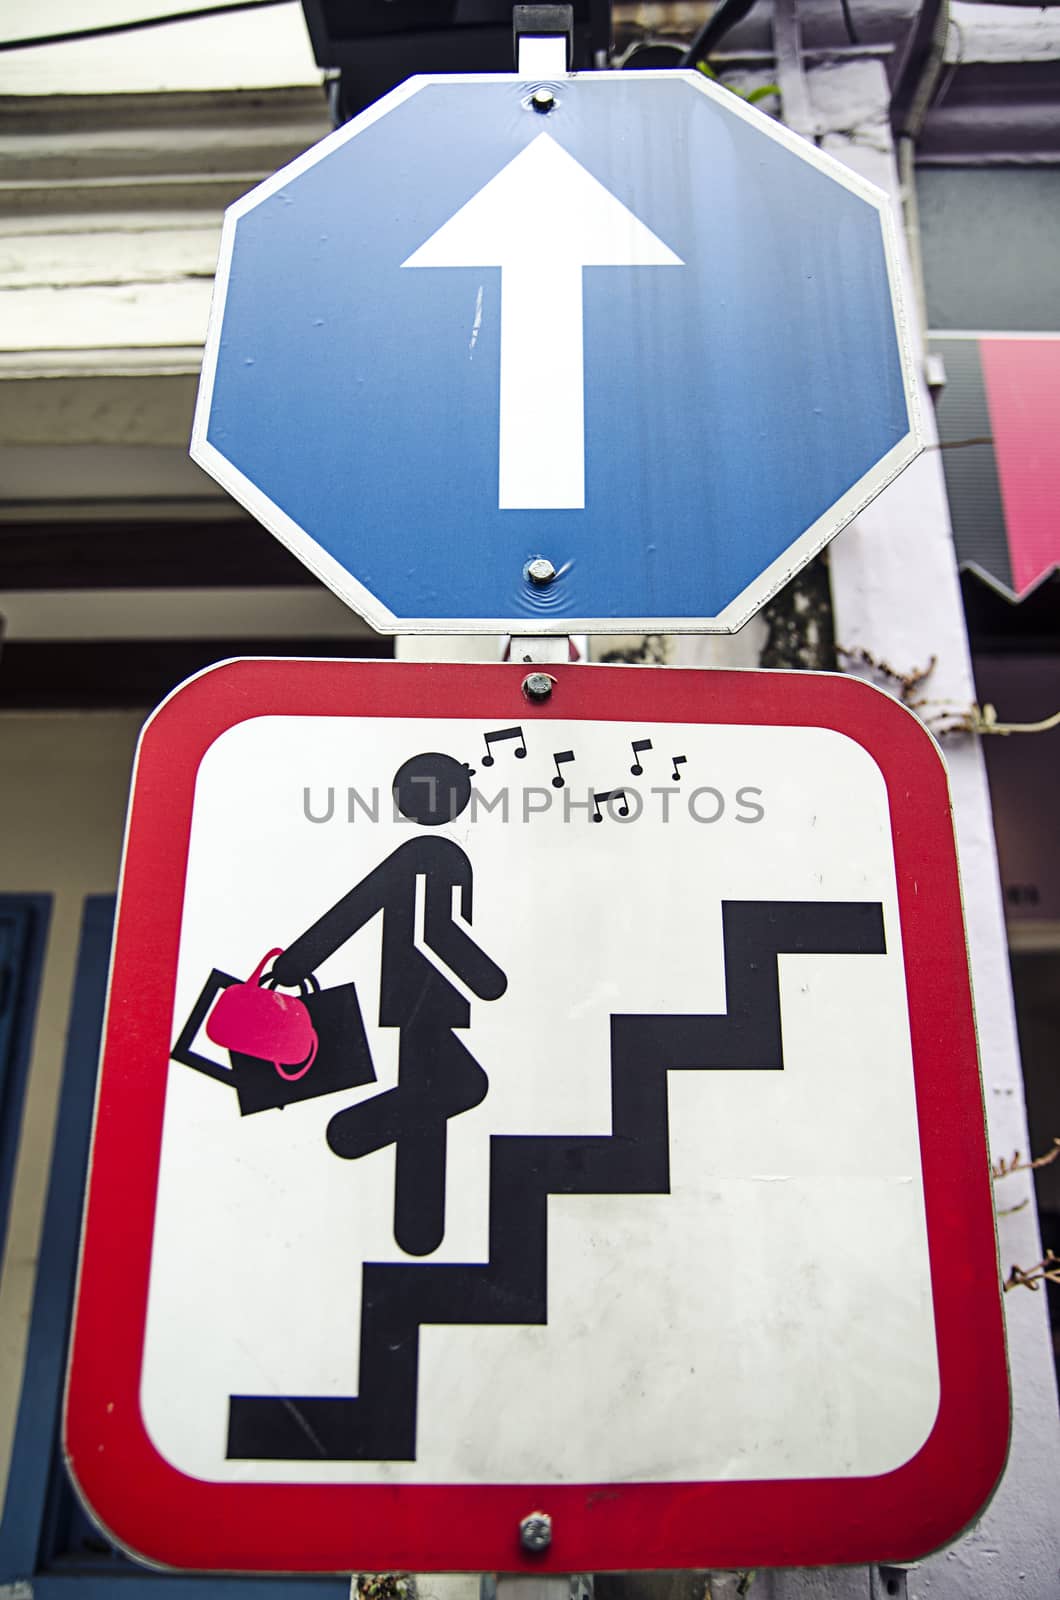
751	599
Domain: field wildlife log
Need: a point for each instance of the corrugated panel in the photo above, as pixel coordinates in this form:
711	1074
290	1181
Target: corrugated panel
968	461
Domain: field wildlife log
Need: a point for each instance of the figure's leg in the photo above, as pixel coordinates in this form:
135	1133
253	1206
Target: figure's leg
435	1082
419	1190
371	1125
439	1079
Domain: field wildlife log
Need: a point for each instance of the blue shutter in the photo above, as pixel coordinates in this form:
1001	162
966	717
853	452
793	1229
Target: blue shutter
23	922
46	1539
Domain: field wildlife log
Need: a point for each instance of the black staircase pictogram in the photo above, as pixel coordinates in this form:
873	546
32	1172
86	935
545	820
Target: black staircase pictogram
379	1424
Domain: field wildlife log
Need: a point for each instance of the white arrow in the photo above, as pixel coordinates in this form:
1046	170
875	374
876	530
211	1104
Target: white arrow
541	220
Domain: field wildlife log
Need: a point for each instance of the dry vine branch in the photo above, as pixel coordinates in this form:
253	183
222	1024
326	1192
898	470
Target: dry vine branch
951	718
941	716
386	1586
960	444
1045	1271
988	723
1003	1168
907	681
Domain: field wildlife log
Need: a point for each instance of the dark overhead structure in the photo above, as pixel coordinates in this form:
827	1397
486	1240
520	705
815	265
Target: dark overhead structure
374	45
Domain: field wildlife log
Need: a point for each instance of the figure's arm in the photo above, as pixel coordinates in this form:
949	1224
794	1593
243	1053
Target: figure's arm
313	947
456	949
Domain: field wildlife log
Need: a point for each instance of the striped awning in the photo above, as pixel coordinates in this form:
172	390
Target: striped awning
999	431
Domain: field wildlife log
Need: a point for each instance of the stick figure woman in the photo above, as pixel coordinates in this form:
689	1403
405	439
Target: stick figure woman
438	1078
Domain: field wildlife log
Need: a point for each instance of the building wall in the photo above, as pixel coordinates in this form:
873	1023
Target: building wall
63	787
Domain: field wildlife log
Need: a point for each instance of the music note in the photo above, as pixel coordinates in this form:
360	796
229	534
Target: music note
679	761
559	758
638	746
503	733
611	794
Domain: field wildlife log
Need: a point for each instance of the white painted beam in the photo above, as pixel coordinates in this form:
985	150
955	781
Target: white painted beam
995	33
110	216
133	316
247	50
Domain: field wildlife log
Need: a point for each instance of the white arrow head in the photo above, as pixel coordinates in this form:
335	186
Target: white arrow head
543	205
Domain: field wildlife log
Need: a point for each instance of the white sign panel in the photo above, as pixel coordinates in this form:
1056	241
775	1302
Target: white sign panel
541	1102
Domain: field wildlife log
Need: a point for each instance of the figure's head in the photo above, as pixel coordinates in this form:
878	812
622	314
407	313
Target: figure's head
432	789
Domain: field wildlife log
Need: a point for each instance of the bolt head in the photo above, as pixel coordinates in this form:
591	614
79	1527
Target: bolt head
540	570
537	686
542	100
535	1532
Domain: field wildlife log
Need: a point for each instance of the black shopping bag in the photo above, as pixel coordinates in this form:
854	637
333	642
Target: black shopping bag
343	1059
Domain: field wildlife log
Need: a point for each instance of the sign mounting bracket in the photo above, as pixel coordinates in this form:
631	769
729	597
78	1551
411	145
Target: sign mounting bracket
543	40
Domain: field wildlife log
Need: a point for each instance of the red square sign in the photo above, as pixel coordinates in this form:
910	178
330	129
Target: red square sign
564	1110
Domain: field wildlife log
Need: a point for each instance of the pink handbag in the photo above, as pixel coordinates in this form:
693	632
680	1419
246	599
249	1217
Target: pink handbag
257	1021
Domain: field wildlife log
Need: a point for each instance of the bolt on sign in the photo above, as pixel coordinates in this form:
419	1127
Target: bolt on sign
536	1135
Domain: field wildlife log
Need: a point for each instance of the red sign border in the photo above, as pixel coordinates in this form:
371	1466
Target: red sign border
166	1517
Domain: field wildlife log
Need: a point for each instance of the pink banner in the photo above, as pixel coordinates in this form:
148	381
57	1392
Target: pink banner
1022	382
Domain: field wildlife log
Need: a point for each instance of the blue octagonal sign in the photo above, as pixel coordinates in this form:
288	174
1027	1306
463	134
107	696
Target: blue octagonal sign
648	336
